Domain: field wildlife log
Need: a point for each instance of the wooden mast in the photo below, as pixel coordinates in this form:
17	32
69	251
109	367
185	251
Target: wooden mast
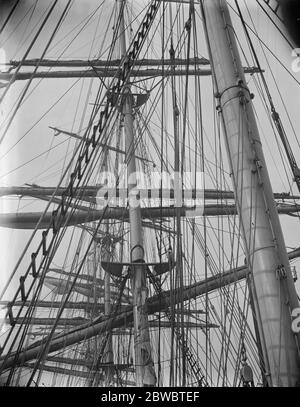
106	252
273	287
145	374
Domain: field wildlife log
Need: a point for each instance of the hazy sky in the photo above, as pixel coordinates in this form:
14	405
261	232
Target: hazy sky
36	137
29	135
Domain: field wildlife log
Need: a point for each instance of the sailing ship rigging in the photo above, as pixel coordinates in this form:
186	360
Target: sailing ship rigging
153	253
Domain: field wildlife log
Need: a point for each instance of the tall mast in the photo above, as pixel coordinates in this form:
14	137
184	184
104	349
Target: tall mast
273	287
145	374
108	357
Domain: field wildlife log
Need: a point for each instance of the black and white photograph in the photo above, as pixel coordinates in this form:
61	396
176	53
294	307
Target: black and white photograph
149	198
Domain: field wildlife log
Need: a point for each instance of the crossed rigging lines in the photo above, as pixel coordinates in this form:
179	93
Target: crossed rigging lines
85	155
44	242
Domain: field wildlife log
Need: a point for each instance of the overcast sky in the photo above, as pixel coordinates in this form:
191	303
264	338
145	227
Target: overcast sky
38	138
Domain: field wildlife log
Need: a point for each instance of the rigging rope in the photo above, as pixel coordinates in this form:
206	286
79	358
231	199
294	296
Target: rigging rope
9	16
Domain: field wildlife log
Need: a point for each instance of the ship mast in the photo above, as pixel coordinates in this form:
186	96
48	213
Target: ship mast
273	287
145	374
108	357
